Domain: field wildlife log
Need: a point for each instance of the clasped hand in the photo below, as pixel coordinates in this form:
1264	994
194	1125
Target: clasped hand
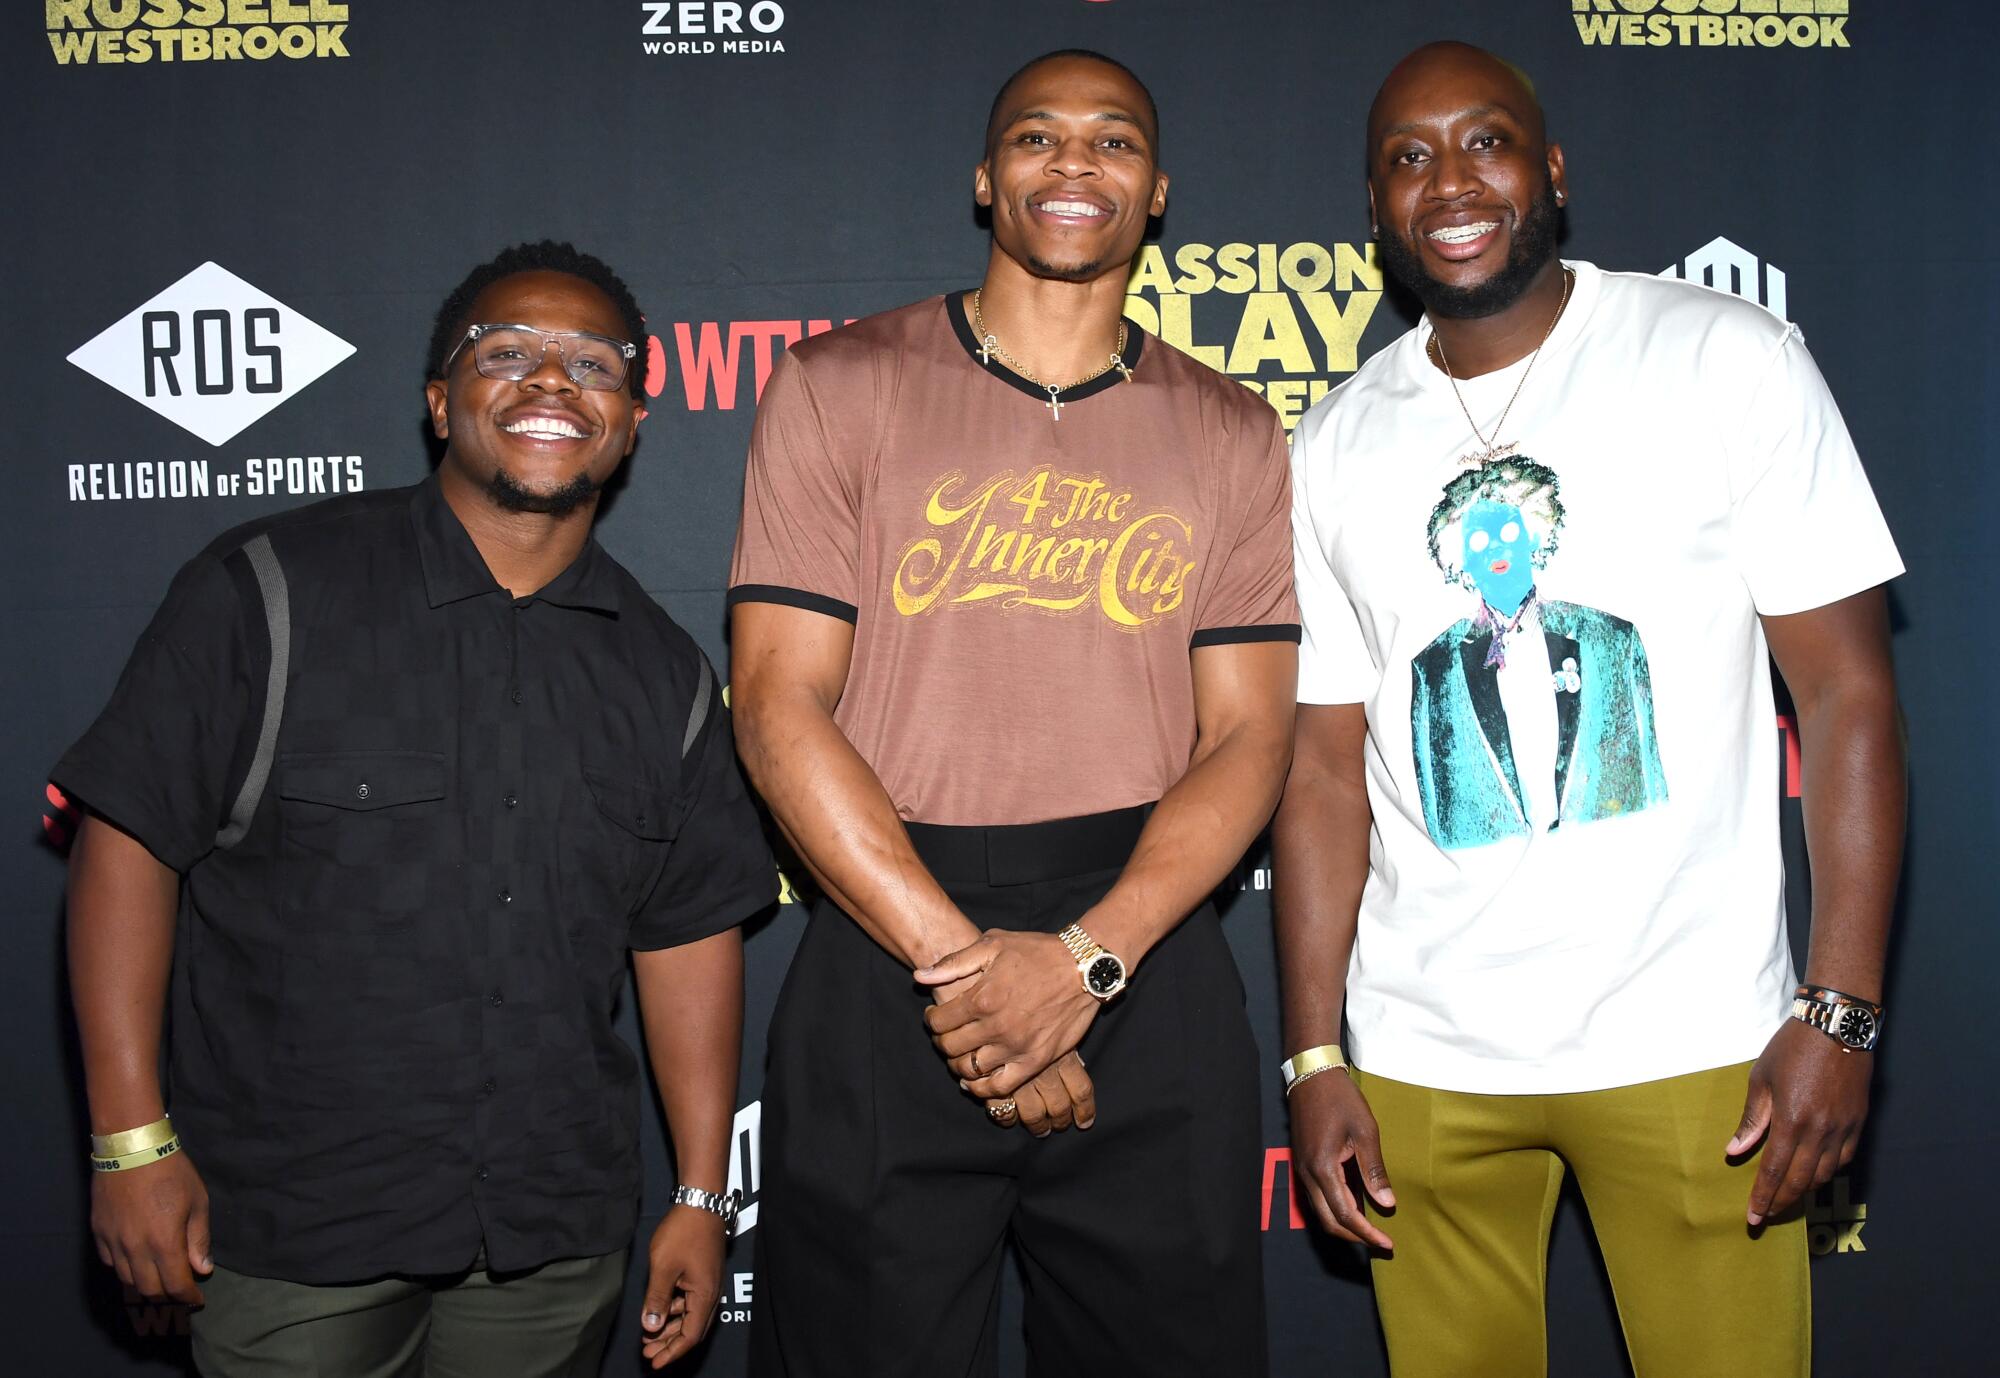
1011	1013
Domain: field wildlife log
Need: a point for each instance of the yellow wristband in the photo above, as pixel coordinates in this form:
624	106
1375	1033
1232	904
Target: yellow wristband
132	1140
1311	1062
125	1162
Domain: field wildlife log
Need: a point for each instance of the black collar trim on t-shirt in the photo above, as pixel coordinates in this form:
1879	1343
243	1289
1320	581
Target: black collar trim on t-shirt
1135	344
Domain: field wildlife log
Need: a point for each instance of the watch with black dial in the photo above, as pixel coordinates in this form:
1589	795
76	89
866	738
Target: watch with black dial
1855	1024
1103	972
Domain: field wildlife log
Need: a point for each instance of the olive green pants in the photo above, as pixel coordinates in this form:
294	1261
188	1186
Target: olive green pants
551	1322
1699	1292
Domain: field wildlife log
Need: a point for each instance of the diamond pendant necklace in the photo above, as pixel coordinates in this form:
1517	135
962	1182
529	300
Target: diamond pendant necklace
989	346
1492	449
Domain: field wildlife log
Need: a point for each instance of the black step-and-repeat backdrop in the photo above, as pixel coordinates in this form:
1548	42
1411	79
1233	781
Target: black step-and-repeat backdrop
232	221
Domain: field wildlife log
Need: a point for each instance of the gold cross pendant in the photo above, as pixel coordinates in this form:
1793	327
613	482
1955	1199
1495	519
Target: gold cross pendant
1055	403
986	348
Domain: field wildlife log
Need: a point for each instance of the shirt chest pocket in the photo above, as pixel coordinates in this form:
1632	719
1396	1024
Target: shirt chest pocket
351	821
632	823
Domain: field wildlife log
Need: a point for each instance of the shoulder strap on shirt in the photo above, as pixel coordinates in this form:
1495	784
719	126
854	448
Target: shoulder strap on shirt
704	694
276	597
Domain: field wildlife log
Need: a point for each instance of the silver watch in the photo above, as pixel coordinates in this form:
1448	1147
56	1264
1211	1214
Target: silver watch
1855	1024
724	1204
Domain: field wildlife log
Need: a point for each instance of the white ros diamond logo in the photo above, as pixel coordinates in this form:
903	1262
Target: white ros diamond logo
212	353
1729	267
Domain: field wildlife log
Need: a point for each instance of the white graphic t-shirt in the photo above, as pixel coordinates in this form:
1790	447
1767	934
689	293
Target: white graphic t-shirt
1573	753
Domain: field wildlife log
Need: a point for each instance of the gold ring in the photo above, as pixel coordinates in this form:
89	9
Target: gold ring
975	1064
1003	1111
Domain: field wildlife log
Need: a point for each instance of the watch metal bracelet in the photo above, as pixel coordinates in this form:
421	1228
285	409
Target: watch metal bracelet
724	1204
1856	1025
1080	944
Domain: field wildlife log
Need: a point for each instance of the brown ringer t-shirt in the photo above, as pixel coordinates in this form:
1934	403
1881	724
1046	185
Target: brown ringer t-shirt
1025	589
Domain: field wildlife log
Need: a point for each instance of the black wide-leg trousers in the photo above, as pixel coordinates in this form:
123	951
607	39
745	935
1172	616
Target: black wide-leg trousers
887	1194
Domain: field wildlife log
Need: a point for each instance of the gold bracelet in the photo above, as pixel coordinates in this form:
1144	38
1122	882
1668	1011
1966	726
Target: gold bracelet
125	1162
132	1140
1310	1063
1307	1077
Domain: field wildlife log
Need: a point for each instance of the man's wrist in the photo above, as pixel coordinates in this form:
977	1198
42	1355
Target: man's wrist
114	1112
930	954
720	1205
1120	930
1311	1029
1851	1021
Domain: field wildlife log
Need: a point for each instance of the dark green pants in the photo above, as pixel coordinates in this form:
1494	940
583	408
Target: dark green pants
552	1322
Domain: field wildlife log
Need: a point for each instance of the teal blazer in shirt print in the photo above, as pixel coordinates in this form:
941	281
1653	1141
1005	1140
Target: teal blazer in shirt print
1607	755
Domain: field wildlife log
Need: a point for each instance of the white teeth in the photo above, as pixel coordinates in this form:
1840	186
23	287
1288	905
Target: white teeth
1464	234
1071	208
544	428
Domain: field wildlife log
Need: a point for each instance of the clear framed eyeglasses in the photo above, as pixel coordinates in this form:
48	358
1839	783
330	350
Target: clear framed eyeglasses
511	352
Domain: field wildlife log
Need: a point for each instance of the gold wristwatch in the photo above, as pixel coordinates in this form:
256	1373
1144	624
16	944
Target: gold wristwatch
1103	972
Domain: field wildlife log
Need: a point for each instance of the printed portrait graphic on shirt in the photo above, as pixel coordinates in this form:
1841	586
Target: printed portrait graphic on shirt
1047	541
1529	712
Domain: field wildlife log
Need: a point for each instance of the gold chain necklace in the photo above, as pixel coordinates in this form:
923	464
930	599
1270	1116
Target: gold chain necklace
989	345
1491	449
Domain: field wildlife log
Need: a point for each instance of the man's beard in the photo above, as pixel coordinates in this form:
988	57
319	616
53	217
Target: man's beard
1533	245
1074	272
510	496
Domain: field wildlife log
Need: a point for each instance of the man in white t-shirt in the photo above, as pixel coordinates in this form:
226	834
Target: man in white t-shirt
1547	543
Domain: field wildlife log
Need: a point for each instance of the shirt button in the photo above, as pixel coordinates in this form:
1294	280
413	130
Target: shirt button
506	897
482	1174
509	800
496	999
516	696
488	1087
361	790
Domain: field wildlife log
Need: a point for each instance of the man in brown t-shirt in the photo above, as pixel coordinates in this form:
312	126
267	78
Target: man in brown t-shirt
1017	655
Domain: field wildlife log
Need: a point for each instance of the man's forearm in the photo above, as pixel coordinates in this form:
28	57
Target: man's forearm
1854	796
1319	862
1317	879
691	1004
838	818
1200	829
122	904
1202	826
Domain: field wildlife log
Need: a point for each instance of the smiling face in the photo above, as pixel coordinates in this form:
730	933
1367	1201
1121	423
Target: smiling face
1499	554
1070	173
1462	182
539	443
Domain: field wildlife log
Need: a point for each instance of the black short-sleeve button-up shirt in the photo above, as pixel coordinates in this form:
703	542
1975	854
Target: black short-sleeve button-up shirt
406	914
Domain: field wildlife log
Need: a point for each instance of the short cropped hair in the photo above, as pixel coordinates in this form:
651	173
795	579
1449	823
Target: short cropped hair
543	256
1085	54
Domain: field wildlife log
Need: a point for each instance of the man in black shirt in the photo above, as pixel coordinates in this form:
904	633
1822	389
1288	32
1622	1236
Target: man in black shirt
416	769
